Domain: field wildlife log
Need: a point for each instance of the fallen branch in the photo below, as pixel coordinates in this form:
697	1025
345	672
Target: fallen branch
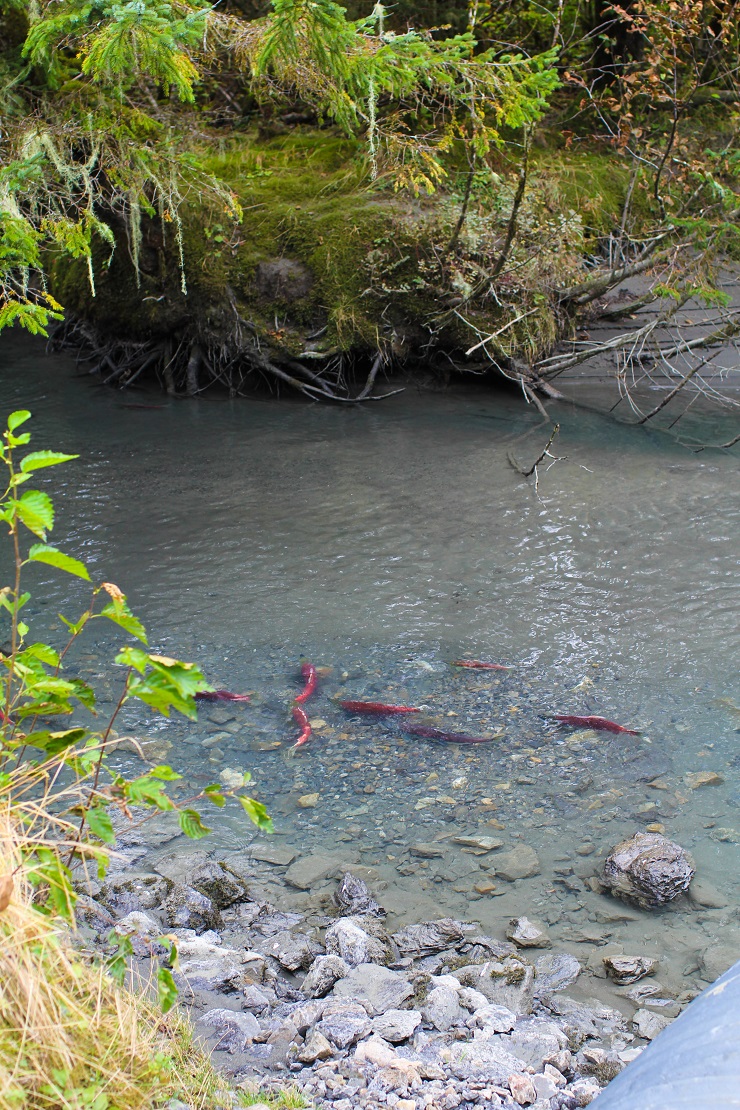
545	453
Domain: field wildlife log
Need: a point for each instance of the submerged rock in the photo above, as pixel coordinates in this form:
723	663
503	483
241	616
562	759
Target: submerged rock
648	870
520	863
628	969
555	972
527	934
353	897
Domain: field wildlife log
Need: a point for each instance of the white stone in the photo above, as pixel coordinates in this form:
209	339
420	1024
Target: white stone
441	1008
348	941
647	1024
397	1025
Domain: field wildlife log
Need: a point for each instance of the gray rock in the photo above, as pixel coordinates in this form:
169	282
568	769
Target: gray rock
178	866
534	1040
716	960
139	923
316	1047
186	908
305	1014
228	1030
382	988
647	1024
483	1058
702	893
527	934
492	1019
545	1086
126	892
584	1091
324	972
255	1000
353	897
292	950
397	1025
348	941
580	1021
628	969
481	844
508	982
555	972
648	870
603	1066
442	1009
280	855
519	863
91	913
204	965
471	999
431	936
310	870
344	1023
221	885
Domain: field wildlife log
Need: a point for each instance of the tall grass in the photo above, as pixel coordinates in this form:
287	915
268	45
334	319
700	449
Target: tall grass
70	1036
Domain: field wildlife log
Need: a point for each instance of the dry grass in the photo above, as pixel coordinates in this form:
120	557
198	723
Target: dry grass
70	1037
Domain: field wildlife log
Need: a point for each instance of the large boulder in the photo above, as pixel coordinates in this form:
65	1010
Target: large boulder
648	870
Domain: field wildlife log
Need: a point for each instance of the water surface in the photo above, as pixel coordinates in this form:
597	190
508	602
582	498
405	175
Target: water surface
385	541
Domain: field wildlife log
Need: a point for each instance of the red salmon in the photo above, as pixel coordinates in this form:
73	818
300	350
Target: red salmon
376	707
430	733
220	695
308	672
476	664
599	723
300	718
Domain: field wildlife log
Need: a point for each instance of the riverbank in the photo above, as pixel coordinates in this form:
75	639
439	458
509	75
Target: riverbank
294	974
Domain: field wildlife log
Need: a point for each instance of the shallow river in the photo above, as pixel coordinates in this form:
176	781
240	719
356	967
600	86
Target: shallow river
383	542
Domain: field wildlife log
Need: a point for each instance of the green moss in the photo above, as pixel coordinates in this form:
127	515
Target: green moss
323	249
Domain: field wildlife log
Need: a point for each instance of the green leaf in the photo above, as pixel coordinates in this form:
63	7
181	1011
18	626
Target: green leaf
17	418
257	813
37	460
55	742
42	553
214	794
166	989
119	612
191	824
164	773
146	791
42	652
36	510
100	824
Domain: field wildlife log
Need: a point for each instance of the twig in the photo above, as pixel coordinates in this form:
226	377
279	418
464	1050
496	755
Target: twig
368	387
538	460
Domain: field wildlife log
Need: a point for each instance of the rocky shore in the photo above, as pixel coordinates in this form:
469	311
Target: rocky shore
330	998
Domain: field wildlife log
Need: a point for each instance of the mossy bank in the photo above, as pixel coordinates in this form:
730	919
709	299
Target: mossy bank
329	269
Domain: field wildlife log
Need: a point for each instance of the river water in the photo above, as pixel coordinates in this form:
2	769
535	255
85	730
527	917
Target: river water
384	542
